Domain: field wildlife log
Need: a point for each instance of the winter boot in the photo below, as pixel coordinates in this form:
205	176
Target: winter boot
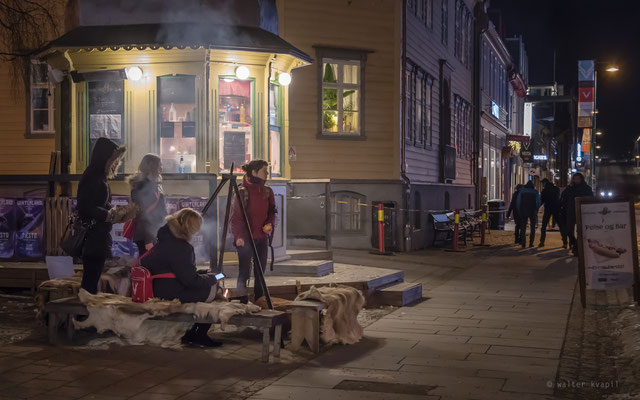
202	339
189	335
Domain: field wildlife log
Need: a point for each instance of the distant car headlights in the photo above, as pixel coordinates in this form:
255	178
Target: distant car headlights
607	193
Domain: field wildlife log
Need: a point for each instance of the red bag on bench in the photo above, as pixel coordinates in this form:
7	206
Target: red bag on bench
142	282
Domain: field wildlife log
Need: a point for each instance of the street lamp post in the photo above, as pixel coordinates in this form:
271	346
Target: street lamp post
594	157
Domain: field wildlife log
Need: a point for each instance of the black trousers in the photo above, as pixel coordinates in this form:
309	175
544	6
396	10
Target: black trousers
246	259
532	219
571	234
545	222
516	234
91	271
141	247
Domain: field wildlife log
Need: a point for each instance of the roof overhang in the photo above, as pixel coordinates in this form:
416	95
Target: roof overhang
174	35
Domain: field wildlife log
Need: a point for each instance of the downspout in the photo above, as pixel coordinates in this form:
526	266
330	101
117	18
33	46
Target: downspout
269	112
480	27
406	185
207	94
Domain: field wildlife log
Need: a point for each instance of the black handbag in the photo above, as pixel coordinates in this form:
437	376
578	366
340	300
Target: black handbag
74	236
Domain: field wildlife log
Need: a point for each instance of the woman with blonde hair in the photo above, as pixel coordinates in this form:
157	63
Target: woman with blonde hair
147	194
174	254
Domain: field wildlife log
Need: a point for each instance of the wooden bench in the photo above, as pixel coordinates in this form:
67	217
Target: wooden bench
443	227
62	311
305	324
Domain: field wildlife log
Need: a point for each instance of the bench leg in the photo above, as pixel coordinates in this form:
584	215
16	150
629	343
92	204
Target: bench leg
297	328
312	333
70	328
53	328
266	339
305	325
276	341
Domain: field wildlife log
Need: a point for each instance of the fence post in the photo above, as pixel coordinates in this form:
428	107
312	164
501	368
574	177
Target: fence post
381	228
456	223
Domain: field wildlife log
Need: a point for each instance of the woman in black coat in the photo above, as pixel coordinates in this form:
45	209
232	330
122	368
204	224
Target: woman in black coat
174	254
94	207
147	194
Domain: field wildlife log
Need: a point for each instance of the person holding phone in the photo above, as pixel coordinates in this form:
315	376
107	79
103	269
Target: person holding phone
173	253
259	203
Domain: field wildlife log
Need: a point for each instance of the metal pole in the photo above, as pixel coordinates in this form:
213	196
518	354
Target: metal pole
593	131
381	228
227	218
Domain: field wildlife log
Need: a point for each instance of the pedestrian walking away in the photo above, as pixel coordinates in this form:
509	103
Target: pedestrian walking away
577	188
550	199
527	204
260	205
147	194
94	208
516	215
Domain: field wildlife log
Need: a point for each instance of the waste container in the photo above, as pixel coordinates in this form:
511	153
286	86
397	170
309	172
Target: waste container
497	214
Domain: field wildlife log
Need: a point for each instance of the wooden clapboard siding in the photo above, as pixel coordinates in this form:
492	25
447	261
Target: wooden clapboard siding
19	155
370	25
425	48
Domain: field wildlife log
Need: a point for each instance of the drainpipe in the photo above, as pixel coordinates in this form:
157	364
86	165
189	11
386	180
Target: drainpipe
207	94
406	185
269	113
480	27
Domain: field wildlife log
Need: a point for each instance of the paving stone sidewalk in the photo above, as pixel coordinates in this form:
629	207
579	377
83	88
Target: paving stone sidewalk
492	328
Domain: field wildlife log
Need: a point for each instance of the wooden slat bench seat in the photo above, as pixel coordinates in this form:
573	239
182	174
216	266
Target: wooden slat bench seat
305	324
62	311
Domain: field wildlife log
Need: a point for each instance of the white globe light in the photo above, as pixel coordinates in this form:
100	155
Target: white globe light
284	79
242	72
134	73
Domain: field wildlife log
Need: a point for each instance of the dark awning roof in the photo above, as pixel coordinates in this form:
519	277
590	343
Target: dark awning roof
223	37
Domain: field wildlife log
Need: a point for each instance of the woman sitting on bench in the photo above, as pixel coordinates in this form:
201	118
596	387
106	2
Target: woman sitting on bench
174	254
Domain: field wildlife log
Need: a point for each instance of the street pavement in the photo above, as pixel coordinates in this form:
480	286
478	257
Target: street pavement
492	328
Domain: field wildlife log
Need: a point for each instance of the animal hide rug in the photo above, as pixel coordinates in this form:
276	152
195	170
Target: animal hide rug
343	303
129	320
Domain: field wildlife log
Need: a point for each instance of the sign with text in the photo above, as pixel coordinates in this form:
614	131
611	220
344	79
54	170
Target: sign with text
528	119
586	93
607	244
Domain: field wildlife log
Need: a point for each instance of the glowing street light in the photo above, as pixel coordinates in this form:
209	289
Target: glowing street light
613	68
599	133
598	147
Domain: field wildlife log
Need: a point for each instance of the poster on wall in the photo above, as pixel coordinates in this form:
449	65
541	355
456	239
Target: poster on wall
121	245
199	241
607	244
105	125
7	227
30	228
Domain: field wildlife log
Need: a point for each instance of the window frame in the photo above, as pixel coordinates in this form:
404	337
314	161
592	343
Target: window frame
32	133
334	207
342	57
418	131
444	21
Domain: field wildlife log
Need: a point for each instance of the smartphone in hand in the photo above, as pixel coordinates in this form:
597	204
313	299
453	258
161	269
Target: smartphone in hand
220	276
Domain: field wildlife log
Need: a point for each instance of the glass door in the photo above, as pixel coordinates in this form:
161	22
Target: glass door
275	129
177	126
235	122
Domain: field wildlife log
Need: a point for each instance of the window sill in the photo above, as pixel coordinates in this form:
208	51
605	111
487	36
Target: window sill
40	135
340	137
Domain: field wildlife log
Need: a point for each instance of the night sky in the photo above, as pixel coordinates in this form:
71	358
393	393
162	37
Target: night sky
608	31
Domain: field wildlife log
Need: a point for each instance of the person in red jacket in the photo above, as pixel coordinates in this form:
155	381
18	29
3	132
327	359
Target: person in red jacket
260	204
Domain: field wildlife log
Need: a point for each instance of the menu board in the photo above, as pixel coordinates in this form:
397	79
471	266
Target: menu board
234	149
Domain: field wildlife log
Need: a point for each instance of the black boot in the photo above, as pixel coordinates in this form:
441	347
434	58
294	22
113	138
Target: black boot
189	335
202	339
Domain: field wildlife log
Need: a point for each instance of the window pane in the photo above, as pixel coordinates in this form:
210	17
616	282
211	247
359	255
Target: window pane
351	74
350	100
39	73
177	127
40	98
350	122
330	73
330	121
329	99
41	120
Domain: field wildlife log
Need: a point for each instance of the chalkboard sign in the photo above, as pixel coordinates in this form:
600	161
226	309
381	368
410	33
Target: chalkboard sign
189	129
106	97
166	129
234	149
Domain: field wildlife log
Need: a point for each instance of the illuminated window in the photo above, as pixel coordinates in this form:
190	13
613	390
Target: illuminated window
41	107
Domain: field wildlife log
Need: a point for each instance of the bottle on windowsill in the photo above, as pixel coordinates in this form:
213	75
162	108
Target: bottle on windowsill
181	165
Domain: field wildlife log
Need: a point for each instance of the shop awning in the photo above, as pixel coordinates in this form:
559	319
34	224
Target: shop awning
176	35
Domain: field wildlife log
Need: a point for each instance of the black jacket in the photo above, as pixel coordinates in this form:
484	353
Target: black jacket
149	218
568	200
528	201
550	197
94	198
175	254
512	206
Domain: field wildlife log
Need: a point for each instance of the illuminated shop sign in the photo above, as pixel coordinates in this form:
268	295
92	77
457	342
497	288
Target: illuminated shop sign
495	109
540	157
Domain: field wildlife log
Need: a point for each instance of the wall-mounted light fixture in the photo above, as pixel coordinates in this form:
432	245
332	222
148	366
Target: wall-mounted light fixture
134	73
242	72
284	79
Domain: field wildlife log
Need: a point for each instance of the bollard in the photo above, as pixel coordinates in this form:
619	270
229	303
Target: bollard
550	222
456	223
483	227
381	228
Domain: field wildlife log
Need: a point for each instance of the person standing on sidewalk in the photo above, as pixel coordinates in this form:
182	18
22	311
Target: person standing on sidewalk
551	201
577	188
259	202
527	204
147	194
513	209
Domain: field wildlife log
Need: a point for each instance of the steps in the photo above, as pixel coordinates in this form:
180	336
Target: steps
398	295
303	267
310	254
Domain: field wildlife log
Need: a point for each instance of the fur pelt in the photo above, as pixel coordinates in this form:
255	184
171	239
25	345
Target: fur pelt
343	303
56	289
128	320
116	276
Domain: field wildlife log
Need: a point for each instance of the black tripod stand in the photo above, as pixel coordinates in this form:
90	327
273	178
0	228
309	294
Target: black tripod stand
233	190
